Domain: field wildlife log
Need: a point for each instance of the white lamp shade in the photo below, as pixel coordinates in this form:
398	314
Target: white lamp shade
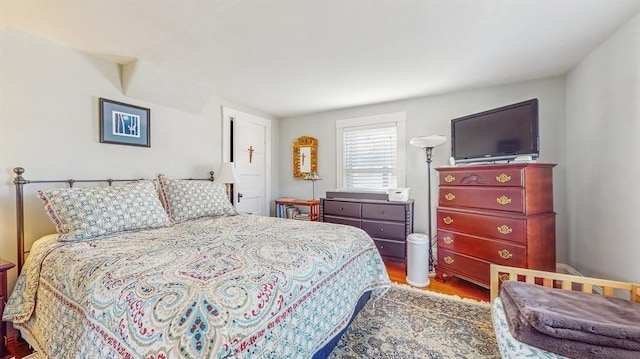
313	176
226	173
428	141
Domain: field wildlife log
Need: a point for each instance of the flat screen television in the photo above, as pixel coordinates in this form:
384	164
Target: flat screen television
500	134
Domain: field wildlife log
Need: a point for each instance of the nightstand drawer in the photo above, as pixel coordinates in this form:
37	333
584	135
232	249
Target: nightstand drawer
506	177
340	208
387	212
495	251
342	220
391	248
495	198
482	225
387	230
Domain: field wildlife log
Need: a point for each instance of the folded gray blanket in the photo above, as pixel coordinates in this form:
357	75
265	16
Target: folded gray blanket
573	324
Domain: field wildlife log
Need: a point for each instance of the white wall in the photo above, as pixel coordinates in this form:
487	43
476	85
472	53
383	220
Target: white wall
432	115
49	125
603	166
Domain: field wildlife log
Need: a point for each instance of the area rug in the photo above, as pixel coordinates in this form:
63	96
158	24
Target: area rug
411	323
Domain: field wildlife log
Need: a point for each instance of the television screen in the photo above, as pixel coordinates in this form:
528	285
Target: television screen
499	134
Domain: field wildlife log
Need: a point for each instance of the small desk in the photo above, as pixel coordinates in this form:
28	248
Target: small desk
313	204
4	267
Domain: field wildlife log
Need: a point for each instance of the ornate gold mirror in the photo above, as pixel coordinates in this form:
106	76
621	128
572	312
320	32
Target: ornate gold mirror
305	156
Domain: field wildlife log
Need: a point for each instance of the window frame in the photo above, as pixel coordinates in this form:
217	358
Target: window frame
398	119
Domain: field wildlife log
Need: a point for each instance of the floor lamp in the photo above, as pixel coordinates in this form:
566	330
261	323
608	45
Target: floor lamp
428	143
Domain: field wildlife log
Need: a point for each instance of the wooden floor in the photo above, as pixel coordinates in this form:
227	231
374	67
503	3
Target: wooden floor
18	350
397	273
455	286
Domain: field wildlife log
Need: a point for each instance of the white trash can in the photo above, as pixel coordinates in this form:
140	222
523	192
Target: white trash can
418	260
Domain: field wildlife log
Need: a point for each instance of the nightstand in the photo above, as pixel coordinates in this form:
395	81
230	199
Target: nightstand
4	267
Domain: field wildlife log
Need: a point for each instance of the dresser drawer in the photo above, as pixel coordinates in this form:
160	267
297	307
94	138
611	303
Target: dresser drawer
495	251
387	230
470	267
343	220
508	177
391	248
387	212
506	228
495	198
340	208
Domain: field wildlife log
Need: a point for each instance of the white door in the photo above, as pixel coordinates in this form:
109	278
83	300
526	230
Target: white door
249	150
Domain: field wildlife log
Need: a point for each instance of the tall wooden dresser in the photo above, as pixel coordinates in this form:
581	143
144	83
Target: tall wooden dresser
387	222
495	214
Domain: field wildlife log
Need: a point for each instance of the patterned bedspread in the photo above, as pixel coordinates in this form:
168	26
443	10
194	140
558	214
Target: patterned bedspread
241	286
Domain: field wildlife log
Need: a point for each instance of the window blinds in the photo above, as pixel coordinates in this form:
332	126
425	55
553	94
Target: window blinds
370	157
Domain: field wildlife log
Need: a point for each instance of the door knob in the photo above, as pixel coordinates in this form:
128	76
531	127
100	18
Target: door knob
239	196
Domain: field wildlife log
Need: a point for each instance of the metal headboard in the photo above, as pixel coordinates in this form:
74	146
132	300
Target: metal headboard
20	181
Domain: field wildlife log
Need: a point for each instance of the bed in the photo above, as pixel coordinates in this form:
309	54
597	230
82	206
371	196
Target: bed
195	280
508	345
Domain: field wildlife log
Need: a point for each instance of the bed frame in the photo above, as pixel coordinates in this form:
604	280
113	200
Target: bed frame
605	287
509	346
20	182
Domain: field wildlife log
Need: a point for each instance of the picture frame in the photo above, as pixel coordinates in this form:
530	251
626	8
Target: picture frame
305	156
124	124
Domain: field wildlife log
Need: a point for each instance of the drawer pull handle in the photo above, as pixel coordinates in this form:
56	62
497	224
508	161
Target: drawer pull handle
504	277
450	196
448	260
503	200
505	254
341	208
504	229
447	220
381	211
381	229
449	179
447	240
503	178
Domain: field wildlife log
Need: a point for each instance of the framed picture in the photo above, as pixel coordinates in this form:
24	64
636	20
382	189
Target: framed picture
124	124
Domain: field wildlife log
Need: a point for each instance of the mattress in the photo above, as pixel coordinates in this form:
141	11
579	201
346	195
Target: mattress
238	286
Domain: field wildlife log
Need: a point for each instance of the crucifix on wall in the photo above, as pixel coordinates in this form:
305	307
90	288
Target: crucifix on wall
305	153
251	154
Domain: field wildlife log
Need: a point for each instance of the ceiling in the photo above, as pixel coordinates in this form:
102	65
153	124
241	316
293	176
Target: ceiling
292	57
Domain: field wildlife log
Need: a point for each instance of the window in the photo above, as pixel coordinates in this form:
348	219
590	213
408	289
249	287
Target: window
371	151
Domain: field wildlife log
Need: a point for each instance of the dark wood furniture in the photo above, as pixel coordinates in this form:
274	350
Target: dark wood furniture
313	205
4	267
387	222
499	214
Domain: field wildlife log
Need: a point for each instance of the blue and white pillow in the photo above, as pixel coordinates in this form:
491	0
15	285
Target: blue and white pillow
192	199
86	213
